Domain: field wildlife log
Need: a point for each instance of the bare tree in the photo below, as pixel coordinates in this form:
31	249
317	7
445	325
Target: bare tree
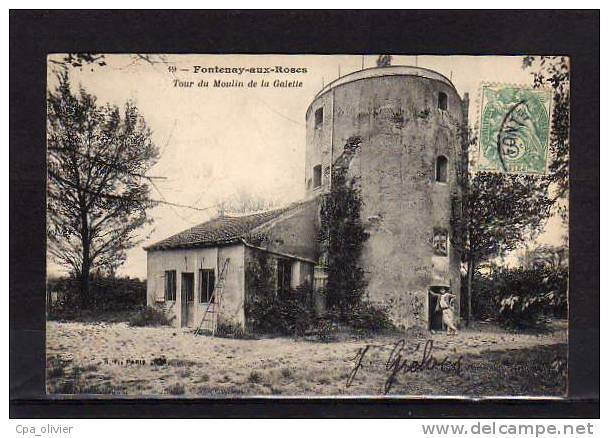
97	188
243	201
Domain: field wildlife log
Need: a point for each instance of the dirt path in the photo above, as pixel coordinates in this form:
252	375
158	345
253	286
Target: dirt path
122	360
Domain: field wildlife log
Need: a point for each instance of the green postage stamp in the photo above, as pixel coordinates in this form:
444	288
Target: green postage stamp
514	131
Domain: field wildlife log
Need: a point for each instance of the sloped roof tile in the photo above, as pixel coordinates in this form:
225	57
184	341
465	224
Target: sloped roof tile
222	230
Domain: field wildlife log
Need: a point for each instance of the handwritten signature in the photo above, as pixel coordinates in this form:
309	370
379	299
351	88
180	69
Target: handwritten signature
397	362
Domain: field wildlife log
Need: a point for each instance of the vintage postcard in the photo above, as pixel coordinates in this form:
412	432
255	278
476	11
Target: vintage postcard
307	225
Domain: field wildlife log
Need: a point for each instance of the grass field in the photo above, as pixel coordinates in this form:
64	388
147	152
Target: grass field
119	360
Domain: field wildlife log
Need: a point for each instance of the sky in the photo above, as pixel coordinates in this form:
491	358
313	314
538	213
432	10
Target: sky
216	143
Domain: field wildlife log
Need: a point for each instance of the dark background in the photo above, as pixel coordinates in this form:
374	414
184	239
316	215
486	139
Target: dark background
34	34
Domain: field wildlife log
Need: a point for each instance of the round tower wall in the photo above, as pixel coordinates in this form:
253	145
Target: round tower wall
403	124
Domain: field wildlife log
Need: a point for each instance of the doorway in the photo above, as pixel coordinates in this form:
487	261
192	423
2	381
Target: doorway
188	299
434	313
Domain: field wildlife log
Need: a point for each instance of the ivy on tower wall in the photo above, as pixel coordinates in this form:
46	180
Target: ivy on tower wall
342	236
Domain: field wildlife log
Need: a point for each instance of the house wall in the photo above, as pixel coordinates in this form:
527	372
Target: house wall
191	260
295	233
402	132
233	294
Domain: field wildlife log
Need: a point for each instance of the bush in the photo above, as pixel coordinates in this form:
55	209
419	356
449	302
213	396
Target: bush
287	313
261	312
107	295
291	313
368	318
325	328
117	294
484	304
62	298
521	297
149	316
295	312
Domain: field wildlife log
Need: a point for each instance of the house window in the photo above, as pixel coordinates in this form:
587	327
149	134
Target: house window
207	282
319	118
440	242
170	285
442	101
441	169
317	176
284	275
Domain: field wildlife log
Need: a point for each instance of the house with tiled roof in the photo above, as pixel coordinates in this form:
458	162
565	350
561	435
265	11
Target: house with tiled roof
205	274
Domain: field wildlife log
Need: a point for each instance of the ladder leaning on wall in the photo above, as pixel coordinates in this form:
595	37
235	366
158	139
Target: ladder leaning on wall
210	316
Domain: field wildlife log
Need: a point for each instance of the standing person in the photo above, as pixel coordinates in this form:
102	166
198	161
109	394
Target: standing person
448	314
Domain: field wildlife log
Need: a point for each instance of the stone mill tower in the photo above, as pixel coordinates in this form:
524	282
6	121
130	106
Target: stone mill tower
407	122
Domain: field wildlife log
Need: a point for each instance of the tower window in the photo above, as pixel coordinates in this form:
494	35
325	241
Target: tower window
442	101
440	242
441	169
319	118
317	176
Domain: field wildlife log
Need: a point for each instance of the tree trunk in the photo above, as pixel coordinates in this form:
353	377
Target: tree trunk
85	280
470	275
85	272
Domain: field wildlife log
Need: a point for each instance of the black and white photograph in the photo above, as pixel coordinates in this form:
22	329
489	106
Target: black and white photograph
307	225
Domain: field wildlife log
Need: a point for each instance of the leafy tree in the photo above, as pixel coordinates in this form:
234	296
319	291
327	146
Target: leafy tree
495	213
92	60
554	71
548	256
80	60
506	209
97	188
